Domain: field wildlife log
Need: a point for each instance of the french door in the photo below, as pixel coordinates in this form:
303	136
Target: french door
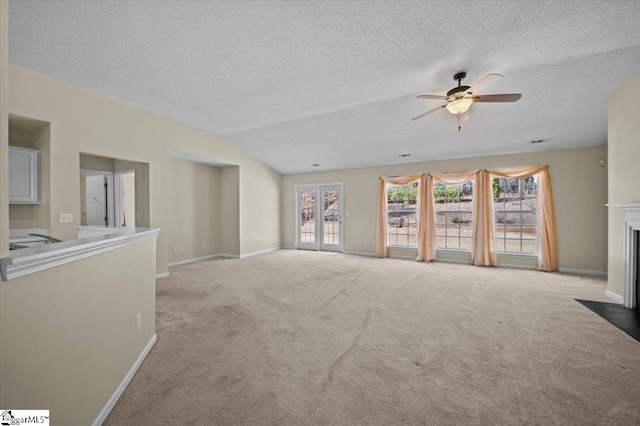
319	217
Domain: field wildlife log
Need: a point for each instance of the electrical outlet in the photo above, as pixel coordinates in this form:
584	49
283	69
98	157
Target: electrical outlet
180	249
258	241
44	199
137	215
359	241
204	245
174	249
66	217
138	321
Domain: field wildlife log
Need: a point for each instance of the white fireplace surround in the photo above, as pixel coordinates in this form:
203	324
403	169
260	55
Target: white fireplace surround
631	225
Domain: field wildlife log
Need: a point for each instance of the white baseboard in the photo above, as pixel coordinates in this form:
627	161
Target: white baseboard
288	247
516	266
456	261
162	275
228	256
611	295
195	259
583	272
397	256
255	253
358	253
102	416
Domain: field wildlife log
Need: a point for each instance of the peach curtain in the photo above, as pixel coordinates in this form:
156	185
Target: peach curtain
382	244
483	252
429	224
547	237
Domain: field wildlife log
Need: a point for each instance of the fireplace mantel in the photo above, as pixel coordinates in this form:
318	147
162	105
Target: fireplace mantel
631	230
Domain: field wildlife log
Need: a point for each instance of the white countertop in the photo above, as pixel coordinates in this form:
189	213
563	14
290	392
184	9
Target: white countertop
29	260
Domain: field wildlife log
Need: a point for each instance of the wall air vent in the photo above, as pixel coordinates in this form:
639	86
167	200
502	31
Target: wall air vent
535	141
316	165
404	155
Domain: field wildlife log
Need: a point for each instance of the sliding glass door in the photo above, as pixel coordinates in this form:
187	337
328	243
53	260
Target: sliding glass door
319	217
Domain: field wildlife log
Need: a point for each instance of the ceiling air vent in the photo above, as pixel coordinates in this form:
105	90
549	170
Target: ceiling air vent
316	165
535	141
404	155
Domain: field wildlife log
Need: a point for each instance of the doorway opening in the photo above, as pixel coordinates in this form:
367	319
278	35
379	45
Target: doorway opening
125	198
96	197
319	212
113	192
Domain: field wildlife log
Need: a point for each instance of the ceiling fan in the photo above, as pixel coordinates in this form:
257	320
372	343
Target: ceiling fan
459	99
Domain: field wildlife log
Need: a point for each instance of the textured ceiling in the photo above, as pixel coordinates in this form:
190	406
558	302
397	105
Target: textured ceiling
297	83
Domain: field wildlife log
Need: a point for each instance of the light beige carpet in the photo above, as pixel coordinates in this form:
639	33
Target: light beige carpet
297	338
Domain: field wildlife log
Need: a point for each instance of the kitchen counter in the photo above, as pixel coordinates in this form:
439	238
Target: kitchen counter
30	260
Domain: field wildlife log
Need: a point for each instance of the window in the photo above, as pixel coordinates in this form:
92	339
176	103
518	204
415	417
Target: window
454	215
402	207
515	203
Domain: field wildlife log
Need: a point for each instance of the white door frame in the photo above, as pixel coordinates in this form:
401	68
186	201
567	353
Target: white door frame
117	192
110	206
317	187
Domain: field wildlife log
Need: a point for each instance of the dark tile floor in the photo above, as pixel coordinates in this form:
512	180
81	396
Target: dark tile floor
627	320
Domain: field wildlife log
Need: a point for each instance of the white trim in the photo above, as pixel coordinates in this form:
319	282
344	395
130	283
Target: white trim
456	261
229	256
28	261
255	253
616	298
631	231
102	416
516	266
397	256
195	259
162	275
360	253
582	271
288	247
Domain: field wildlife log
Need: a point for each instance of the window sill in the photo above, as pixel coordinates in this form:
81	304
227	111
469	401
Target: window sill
506	253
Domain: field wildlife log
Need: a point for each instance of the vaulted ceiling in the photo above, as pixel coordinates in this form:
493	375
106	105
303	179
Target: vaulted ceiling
334	83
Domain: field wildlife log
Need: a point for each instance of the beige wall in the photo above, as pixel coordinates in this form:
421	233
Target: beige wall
82	121
33	215
4	128
68	334
579	189
93	162
230	210
624	170
194	221
129	199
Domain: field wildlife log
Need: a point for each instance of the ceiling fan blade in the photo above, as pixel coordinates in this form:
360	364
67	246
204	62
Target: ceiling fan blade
484	83
462	117
507	97
428	112
440	97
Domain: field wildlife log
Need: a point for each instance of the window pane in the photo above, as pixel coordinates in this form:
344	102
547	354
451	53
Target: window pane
515	214
454	215
401	215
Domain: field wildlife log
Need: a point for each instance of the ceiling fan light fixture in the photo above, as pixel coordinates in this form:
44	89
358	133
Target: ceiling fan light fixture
459	106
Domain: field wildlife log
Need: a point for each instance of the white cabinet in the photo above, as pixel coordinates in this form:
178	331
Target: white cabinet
24	176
